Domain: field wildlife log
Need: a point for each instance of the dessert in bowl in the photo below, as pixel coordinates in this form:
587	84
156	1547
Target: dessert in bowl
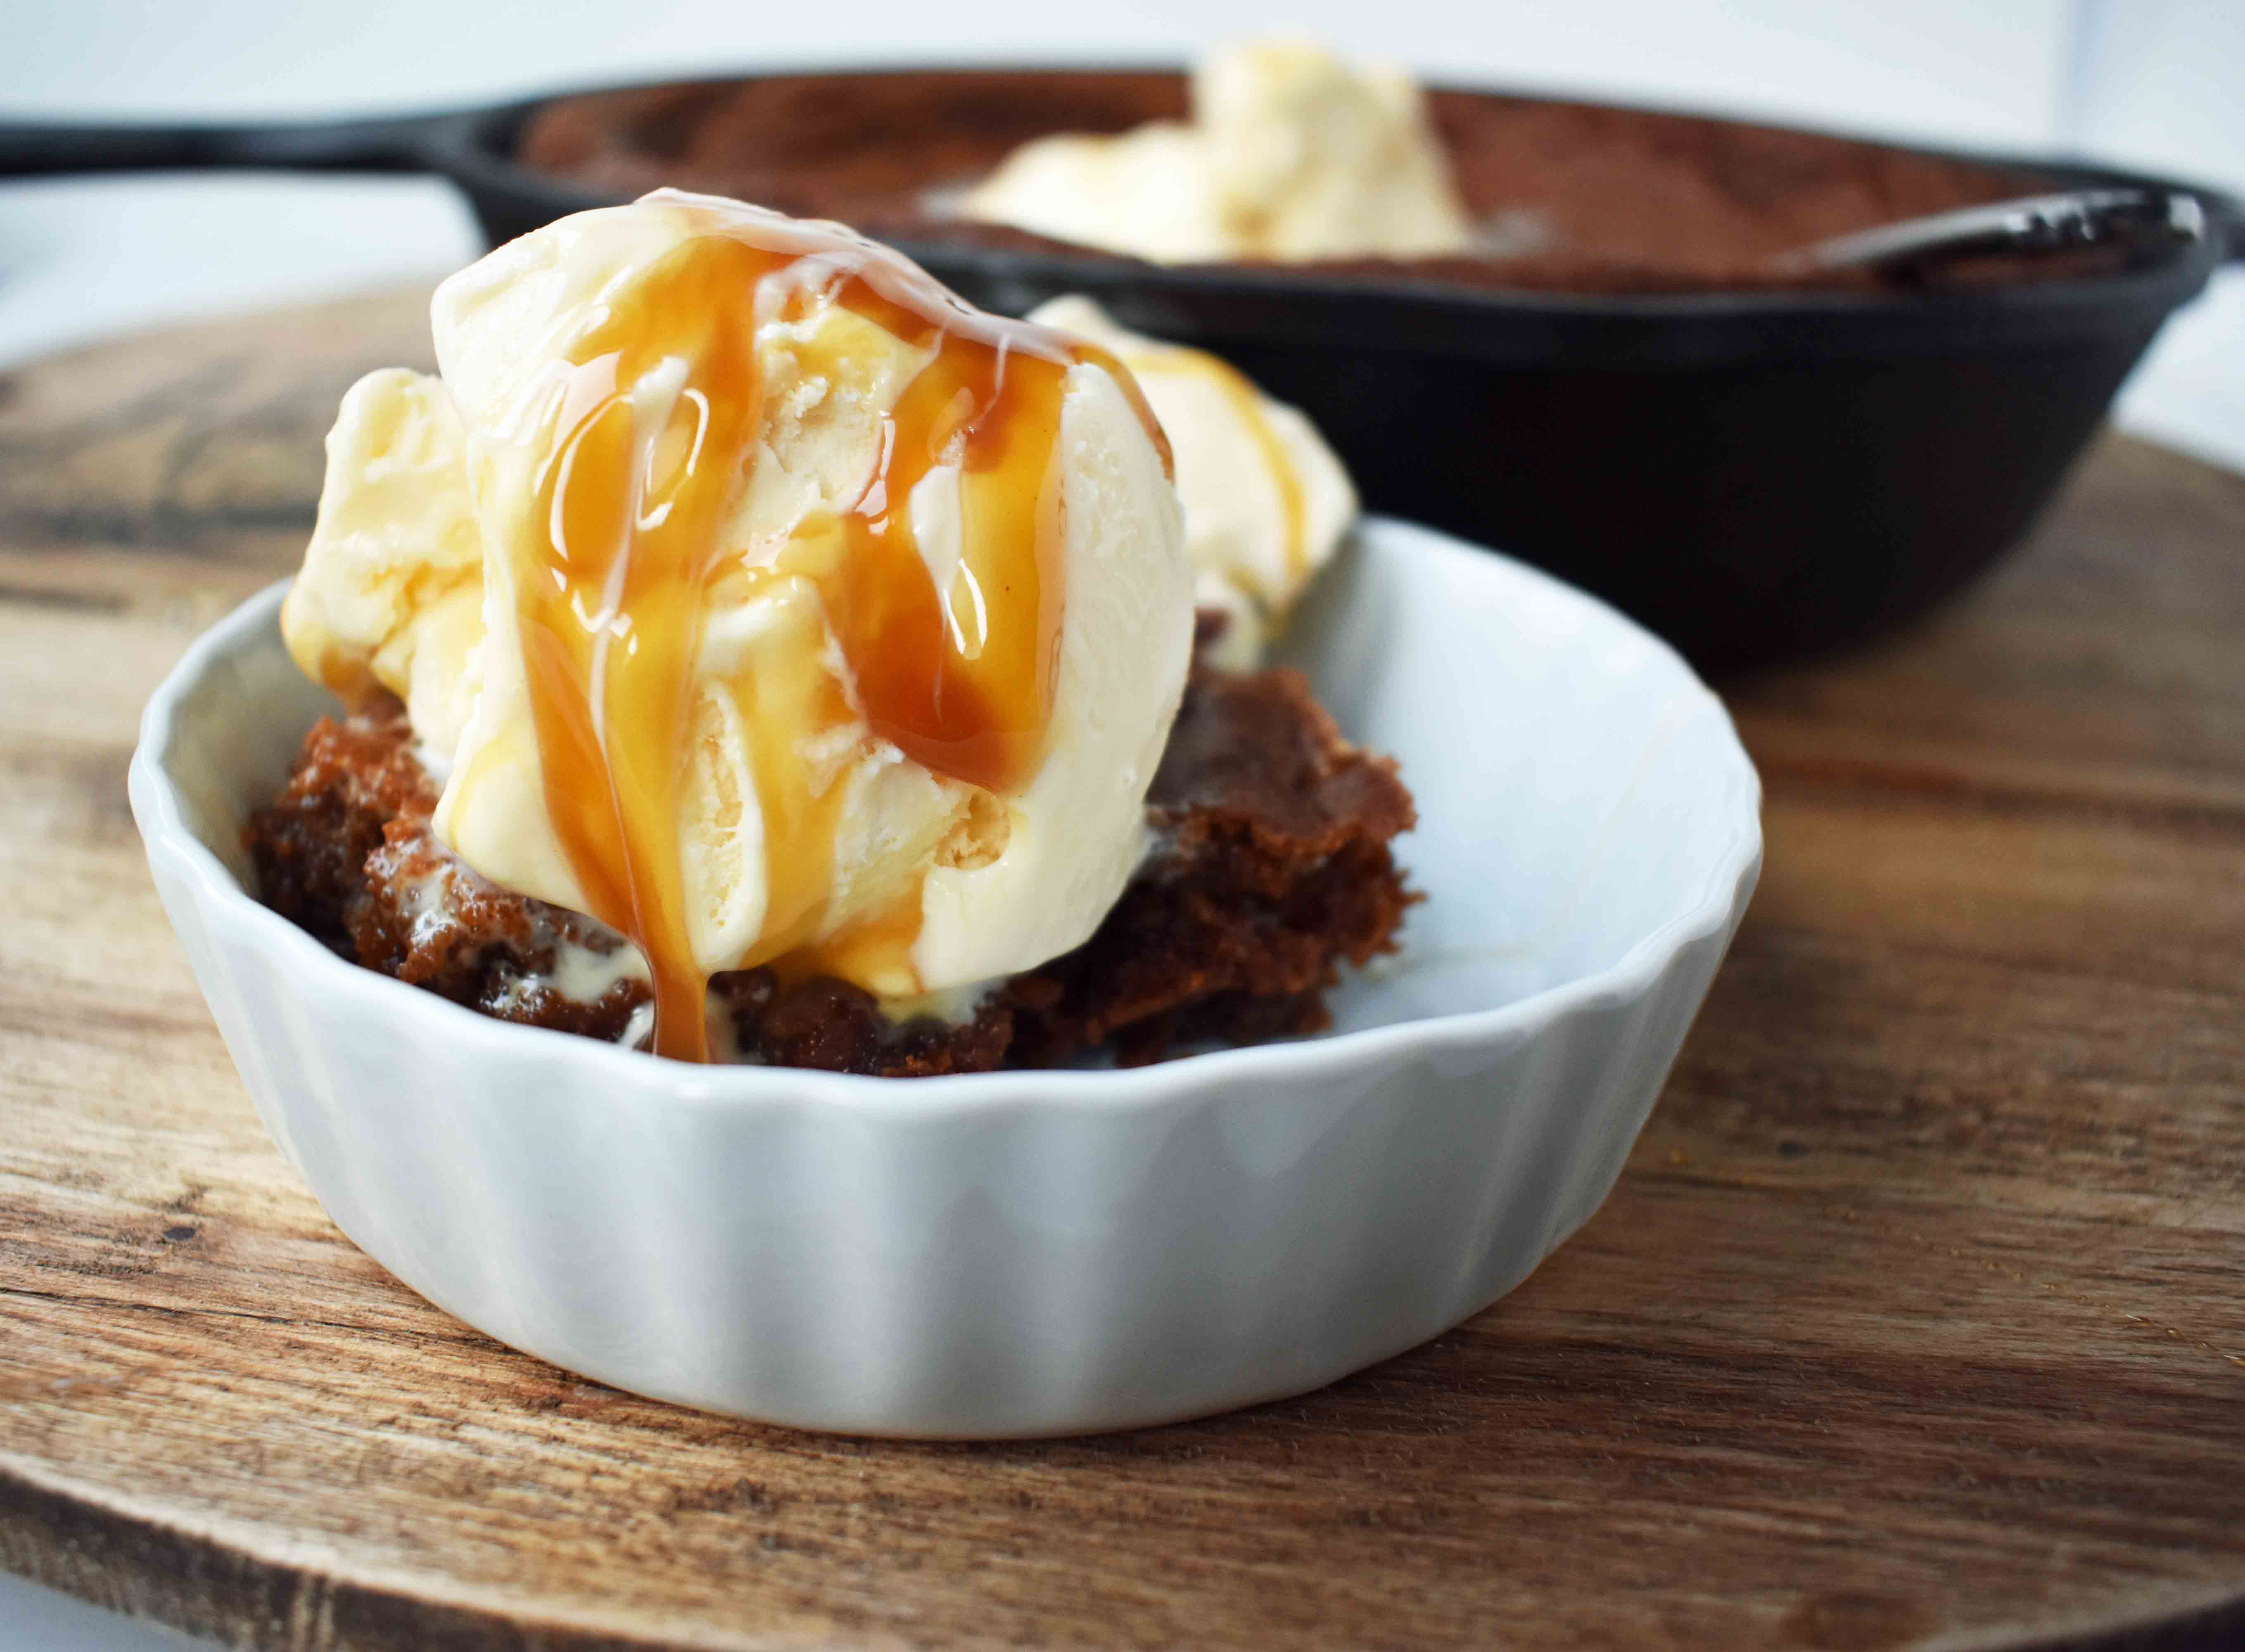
753	651
604	590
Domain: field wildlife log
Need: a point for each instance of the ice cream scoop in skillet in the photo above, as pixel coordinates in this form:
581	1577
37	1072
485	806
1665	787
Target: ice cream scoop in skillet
1756	466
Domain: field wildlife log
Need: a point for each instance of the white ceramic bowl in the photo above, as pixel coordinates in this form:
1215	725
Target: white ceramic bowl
1038	1253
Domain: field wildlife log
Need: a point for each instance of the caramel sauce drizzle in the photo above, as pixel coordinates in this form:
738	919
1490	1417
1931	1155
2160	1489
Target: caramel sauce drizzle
1247	400
650	439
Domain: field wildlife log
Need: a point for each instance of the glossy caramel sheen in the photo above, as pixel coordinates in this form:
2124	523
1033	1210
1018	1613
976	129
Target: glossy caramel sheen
648	437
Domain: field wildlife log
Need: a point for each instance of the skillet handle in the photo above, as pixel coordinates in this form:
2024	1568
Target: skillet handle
2225	216
29	149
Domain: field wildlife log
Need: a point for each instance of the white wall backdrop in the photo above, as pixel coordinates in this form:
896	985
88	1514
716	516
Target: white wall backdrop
1984	68
2161	84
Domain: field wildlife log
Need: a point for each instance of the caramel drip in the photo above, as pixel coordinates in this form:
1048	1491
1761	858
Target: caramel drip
960	679
1247	400
621	541
650	440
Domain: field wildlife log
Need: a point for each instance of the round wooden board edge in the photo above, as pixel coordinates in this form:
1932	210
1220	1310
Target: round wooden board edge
145	1568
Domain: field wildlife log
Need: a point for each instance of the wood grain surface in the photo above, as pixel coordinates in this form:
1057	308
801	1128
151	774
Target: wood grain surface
1918	1316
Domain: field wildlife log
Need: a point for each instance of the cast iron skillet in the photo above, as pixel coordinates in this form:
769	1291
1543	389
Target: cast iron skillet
1755	475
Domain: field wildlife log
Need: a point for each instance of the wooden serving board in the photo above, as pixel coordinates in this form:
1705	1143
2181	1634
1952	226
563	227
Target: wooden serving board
1919	1315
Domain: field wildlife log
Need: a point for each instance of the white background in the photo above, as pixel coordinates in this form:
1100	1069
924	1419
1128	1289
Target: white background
2159	83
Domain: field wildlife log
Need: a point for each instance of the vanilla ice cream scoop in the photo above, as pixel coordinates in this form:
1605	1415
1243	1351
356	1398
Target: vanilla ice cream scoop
1267	502
759	597
1292	153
